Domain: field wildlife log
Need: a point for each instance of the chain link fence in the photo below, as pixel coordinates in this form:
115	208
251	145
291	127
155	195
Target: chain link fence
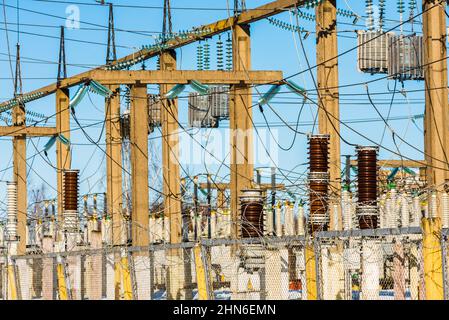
343	265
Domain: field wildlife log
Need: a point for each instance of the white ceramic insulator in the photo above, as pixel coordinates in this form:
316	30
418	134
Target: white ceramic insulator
269	222
289	226
405	214
416	211
388	214
213	224
300	223
11	209
355	224
347	216
433	205
278	222
382	211
394	214
335	217
71	221
445	200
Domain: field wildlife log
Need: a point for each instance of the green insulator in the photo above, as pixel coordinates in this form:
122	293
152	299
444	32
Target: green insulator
206	56
220	65
401	6
199	57
229	53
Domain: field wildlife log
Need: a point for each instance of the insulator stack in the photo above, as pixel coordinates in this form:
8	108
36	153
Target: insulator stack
206	56
318	182
199	57
252	219
71	178
11	226
228	53
367	210
220	65
445	205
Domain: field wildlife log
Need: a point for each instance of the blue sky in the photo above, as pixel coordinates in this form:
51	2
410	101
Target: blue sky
272	49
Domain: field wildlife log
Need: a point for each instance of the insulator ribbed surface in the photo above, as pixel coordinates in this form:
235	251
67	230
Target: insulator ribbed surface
252	219
318	182
367	187
367	175
11	193
319	153
71	190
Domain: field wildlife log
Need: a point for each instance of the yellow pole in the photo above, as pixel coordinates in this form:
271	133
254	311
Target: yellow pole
201	276
433	271
62	287
117	279
127	285
12	282
312	291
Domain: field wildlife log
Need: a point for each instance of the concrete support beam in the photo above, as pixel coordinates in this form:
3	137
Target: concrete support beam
436	117
17	131
171	177
241	135
20	177
63	153
327	81
173	77
114	166
139	165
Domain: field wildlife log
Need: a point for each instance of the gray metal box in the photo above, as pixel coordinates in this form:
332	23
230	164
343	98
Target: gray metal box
406	57
372	51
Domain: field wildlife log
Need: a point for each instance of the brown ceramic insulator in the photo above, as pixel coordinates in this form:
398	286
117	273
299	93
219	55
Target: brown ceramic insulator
367	175
252	220
368	222
319	153
71	190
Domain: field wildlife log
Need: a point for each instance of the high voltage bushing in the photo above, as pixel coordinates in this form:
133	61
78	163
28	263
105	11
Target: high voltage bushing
367	210
318	182
11	208
71	179
252	219
125	130
154	111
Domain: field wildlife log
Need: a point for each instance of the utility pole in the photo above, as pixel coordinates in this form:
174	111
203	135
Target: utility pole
436	117
19	160
327	78
114	194
139	166
63	153
242	164
171	177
